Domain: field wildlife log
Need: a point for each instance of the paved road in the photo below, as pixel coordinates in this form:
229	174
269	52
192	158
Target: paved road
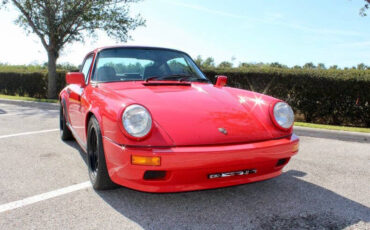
326	186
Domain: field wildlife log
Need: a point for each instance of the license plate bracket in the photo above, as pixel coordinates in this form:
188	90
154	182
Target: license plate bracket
232	173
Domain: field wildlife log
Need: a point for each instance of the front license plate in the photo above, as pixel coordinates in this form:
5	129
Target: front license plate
234	173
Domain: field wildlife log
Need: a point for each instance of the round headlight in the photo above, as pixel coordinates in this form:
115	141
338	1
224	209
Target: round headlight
137	121
283	115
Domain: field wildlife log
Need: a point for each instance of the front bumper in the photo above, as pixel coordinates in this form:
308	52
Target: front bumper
188	168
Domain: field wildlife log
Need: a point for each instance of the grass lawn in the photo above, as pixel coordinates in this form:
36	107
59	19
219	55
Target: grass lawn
20	98
332	127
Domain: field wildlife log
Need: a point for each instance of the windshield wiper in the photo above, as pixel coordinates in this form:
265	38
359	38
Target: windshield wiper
192	78
151	78
179	77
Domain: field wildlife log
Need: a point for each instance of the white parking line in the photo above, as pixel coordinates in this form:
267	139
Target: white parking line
43	196
28	133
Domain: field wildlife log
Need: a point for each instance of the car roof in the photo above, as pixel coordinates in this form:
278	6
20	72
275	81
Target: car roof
135	47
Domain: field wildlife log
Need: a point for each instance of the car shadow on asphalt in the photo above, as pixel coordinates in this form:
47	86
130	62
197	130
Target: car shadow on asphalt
285	202
75	145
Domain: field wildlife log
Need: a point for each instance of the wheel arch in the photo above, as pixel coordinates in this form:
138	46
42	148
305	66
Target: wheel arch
63	103
92	113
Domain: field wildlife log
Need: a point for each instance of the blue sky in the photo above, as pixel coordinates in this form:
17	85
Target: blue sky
286	31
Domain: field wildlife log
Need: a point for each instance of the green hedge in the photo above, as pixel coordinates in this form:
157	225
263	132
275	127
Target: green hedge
337	97
27	84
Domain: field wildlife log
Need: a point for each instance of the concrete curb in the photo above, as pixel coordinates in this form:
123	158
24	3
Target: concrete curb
332	134
37	104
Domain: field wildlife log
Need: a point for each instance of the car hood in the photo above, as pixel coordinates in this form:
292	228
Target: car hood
202	114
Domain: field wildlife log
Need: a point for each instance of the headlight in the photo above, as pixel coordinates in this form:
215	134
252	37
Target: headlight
283	115
137	121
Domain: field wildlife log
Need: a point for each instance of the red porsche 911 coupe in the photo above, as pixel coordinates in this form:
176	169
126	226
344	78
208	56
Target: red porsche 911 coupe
150	120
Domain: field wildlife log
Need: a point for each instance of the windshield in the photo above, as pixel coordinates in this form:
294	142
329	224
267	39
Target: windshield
138	64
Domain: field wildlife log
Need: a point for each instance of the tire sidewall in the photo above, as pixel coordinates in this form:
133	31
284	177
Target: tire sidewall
102	179
65	133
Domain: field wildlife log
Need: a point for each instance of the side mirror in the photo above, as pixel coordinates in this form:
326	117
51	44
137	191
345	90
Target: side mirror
221	81
75	78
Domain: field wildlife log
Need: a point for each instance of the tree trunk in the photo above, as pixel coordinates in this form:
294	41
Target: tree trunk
52	76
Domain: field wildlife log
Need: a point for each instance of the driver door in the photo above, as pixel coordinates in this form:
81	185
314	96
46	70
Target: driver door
75	93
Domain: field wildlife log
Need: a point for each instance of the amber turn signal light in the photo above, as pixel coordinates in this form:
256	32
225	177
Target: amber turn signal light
143	160
295	147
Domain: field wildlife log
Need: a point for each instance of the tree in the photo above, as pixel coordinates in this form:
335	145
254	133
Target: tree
321	66
58	23
245	65
225	64
199	60
309	65
361	66
277	65
365	8
208	63
333	67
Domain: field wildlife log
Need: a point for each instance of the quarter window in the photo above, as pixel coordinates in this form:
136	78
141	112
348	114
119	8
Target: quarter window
86	67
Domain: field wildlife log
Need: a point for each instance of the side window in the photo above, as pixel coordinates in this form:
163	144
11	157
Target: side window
86	67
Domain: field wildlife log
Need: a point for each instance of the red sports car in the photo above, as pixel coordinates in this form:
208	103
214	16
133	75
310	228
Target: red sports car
150	120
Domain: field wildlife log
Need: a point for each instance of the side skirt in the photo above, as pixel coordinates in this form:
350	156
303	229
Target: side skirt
79	141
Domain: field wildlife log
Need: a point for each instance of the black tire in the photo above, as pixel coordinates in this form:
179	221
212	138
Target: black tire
96	163
65	133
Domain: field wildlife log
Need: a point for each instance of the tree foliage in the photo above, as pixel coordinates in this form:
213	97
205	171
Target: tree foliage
277	65
361	66
225	64
321	66
364	9
309	65
207	63
198	60
59	22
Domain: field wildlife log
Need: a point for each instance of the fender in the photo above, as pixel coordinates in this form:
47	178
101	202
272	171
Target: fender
63	103
93	111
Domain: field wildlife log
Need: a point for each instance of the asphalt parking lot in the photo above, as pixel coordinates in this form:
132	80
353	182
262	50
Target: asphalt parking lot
44	185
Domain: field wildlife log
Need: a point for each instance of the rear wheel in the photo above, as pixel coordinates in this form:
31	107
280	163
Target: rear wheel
96	163
65	133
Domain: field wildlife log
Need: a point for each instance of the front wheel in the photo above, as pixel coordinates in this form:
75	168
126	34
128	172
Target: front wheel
97	166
